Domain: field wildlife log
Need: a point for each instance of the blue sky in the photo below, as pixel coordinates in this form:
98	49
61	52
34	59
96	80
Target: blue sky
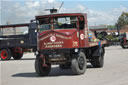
98	11
93	4
97	5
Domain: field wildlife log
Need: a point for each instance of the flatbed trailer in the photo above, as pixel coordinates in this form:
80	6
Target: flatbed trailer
65	39
14	44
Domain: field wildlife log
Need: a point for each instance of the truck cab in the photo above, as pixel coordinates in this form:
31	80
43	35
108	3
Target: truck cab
64	39
62	31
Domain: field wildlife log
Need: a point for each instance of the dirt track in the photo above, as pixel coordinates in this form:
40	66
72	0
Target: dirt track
114	72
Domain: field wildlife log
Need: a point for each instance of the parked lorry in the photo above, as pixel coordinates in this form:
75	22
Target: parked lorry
13	44
124	40
65	39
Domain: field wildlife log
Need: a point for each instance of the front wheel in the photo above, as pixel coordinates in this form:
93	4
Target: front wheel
79	64
40	69
98	61
5	54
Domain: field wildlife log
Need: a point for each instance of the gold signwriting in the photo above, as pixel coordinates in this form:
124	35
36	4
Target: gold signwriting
46	37
57	35
64	37
53	44
75	43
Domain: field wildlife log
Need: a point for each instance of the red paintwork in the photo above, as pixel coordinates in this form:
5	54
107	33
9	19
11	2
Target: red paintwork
59	15
4	54
65	38
125	41
62	39
62	31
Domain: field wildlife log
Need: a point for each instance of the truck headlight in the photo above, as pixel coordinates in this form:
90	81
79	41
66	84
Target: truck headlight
36	53
76	50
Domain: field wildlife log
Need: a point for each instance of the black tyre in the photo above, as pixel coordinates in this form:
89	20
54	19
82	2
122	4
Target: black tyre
65	66
98	61
40	69
5	54
123	46
79	64
17	53
17	56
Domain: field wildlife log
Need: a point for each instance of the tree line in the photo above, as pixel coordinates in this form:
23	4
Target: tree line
121	22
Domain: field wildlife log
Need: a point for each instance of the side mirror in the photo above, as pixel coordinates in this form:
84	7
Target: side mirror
81	22
33	26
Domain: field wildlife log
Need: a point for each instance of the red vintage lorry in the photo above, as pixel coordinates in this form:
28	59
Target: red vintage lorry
65	39
124	40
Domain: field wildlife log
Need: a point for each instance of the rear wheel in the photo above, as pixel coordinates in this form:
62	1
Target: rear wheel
42	70
17	56
79	64
122	45
98	61
17	53
5	54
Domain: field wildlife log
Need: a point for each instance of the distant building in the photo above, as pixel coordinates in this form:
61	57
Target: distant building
98	28
123	30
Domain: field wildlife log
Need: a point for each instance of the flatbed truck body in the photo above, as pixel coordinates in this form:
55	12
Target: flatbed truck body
14	45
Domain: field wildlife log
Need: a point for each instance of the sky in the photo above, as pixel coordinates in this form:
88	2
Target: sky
99	12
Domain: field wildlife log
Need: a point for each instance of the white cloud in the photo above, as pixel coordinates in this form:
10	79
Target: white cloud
32	4
98	17
101	17
16	12
51	1
22	12
81	7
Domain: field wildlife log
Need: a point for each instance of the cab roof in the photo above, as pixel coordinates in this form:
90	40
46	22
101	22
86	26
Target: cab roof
61	14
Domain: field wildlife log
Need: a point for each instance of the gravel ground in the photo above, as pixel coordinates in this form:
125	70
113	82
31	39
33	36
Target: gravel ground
22	72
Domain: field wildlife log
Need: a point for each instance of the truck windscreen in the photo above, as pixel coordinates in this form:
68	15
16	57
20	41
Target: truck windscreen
44	24
64	22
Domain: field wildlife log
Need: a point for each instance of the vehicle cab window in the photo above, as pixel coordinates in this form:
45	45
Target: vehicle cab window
44	24
65	22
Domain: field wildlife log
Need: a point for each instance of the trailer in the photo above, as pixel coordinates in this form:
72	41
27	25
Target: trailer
65	39
13	43
124	40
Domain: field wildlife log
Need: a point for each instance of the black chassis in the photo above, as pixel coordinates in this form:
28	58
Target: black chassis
60	56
